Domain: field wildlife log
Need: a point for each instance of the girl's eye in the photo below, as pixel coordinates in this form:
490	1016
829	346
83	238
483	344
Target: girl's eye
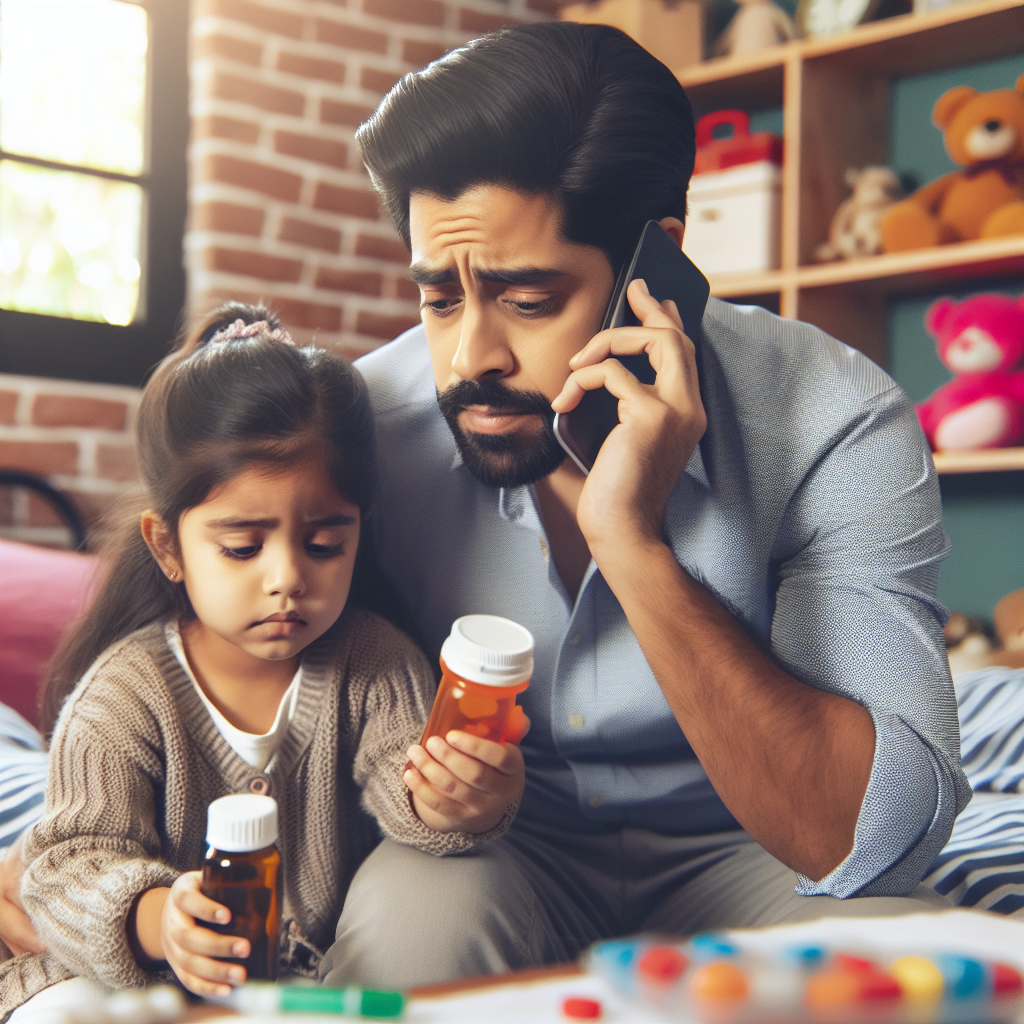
325	550
440	307
241	553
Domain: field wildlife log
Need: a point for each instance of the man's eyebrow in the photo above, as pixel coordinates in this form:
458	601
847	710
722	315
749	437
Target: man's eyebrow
424	275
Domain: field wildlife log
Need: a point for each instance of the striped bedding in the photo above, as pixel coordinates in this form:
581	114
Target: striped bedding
982	865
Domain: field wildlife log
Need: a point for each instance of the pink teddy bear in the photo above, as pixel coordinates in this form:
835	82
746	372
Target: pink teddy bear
982	341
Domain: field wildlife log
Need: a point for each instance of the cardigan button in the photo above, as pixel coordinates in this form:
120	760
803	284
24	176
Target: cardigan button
260	785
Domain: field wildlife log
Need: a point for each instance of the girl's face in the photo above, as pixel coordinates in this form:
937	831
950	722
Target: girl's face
267	559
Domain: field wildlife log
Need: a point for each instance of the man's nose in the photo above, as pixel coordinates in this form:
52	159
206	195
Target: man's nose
483	345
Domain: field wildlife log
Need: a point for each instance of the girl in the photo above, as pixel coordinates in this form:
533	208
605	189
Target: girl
221	657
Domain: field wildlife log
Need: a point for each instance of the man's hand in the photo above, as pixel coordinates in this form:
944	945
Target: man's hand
463	783
16	929
624	497
189	947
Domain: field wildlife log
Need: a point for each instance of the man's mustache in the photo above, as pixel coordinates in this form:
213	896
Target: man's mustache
496	395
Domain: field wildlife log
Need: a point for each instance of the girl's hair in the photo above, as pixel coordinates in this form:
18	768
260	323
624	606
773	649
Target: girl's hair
218	404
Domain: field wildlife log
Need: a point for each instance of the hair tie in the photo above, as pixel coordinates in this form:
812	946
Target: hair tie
240	329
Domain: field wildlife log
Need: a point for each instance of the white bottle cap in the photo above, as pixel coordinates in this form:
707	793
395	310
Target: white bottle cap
241	823
489	649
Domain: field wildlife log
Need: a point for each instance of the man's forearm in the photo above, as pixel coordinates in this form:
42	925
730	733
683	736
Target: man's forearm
790	762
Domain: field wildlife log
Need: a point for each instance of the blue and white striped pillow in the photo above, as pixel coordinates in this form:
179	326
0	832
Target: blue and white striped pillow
22	776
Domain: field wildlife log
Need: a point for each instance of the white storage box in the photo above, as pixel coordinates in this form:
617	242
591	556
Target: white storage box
732	219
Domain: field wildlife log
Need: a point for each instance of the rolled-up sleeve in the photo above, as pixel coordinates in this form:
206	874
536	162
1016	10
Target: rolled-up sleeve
856	614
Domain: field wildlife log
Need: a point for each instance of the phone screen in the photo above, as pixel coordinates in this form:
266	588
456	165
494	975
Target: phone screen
669	274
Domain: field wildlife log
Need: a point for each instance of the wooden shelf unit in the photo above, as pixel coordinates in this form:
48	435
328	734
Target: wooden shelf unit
984	460
834	93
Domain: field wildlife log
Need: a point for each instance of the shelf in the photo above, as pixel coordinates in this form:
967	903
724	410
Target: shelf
891	272
913	43
982	460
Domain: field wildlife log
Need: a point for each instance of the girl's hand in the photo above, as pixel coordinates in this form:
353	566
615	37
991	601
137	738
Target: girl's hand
463	783
15	928
190	948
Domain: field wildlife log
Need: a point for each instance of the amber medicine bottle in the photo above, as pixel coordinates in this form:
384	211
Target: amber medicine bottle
485	662
242	872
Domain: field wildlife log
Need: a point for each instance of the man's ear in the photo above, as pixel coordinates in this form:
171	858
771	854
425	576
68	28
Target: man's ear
160	540
674	228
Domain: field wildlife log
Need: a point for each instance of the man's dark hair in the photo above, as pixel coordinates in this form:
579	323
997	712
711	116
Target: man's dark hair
579	112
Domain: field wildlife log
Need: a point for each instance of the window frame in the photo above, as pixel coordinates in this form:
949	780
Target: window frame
39	345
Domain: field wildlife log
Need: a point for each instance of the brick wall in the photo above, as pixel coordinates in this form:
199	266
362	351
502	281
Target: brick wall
281	207
77	435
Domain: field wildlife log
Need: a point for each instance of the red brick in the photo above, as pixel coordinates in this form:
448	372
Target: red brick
92	504
78	411
313	236
278	22
350	37
356	202
218	45
421	54
381	325
309	147
8	406
258	94
412	12
228	217
7	506
252	264
353	114
41	512
43	457
361	282
248	174
217	127
477	21
406	289
390	249
116	462
377	81
312	315
311	67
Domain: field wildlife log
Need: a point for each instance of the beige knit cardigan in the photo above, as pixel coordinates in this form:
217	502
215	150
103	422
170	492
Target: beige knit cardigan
136	760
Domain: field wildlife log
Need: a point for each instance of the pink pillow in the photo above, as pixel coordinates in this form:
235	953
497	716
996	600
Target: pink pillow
42	592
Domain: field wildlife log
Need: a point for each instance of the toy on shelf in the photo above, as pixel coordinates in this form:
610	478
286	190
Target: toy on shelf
712	979
982	341
856	225
757	25
984	133
969	647
732	222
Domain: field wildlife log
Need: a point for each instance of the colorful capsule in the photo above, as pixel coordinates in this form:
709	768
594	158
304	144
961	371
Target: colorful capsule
719	982
661	965
919	978
711	946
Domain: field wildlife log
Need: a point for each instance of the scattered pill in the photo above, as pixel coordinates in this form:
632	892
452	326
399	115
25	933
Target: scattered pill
920	979
578	1008
719	982
661	965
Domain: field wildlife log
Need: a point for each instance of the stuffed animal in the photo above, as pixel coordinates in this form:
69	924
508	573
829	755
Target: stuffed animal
855	225
968	646
984	133
982	341
757	25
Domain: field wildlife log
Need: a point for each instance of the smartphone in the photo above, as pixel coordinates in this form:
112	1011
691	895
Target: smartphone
669	274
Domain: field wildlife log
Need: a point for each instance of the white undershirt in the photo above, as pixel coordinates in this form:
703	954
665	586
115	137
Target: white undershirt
254	749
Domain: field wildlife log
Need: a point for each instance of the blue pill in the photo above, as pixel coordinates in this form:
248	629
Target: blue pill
805	956
963	978
711	946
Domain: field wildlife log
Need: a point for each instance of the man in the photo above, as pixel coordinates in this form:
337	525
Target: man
741	706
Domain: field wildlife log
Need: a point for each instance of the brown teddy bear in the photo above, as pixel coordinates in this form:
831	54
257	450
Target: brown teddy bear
984	133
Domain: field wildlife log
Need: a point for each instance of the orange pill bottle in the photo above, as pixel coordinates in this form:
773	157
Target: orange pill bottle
242	872
485	662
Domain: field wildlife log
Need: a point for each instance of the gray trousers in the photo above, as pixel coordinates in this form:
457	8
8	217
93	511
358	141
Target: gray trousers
540	896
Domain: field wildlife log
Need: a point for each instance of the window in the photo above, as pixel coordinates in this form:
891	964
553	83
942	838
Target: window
93	132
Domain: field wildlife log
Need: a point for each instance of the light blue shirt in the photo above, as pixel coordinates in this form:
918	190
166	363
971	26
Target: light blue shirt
810	510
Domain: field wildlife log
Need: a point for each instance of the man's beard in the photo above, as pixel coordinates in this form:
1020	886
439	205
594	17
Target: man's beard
515	457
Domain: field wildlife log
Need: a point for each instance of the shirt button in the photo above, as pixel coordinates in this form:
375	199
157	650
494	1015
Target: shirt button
260	785
575	638
577	721
544	548
596	801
